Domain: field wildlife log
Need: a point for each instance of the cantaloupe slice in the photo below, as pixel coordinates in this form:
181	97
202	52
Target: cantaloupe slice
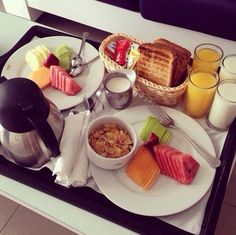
41	77
143	168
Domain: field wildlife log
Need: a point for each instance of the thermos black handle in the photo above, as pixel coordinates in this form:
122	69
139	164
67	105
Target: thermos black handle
42	127
2	79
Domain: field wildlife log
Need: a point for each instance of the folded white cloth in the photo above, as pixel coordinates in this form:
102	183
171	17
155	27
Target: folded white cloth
72	166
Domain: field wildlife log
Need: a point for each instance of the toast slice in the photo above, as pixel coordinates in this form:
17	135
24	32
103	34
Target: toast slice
157	63
183	58
181	52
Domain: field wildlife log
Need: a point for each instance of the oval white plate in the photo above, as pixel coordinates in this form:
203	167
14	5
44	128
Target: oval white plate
167	196
89	80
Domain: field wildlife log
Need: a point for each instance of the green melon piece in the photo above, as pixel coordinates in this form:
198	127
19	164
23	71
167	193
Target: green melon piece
64	62
166	138
63	50
152	124
63	53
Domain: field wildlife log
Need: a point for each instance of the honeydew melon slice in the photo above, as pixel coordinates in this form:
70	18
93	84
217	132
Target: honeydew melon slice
63	53
33	59
152	124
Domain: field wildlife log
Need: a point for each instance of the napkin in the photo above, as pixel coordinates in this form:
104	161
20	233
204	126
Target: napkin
72	166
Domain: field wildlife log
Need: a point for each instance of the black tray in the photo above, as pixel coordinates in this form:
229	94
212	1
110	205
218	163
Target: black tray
88	199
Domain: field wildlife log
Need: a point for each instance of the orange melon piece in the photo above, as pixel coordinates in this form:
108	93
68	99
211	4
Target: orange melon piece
41	77
143	168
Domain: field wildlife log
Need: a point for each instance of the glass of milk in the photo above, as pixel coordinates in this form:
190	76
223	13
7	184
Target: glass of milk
228	67
223	109
118	87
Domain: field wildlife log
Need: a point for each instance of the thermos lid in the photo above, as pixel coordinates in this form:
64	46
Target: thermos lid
18	98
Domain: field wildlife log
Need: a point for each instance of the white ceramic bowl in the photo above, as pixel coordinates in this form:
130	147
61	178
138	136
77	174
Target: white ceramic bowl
107	162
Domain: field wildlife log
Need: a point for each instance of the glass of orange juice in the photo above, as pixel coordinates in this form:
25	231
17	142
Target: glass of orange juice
200	92
207	55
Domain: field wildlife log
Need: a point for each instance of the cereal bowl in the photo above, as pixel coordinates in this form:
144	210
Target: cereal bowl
110	142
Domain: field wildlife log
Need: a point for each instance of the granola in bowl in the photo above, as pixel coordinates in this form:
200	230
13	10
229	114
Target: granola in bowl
110	141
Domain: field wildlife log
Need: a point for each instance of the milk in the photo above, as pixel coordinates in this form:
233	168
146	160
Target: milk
228	68
118	84
118	87
223	110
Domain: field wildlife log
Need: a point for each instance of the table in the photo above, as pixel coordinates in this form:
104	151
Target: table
79	220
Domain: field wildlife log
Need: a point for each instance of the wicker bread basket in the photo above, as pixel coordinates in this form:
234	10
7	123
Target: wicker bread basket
168	96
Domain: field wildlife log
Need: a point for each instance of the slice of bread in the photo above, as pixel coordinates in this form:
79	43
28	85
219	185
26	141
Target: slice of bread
157	63
181	52
183	58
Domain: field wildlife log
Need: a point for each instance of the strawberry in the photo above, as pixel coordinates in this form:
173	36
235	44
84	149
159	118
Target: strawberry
151	141
51	60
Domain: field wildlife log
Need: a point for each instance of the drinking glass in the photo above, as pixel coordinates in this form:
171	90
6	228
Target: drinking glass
223	109
200	92
228	67
207	55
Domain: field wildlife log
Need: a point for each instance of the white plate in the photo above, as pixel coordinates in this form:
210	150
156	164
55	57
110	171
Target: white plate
89	80
167	196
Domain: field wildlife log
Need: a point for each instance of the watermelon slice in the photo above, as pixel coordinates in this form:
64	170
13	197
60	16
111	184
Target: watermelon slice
175	164
62	81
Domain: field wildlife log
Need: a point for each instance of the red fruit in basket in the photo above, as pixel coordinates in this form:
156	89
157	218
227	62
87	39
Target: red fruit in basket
151	141
175	164
62	81
51	60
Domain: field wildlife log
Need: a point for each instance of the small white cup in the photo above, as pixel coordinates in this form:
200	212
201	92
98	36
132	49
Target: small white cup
223	109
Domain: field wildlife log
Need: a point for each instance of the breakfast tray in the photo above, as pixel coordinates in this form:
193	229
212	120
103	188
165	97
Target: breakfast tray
96	203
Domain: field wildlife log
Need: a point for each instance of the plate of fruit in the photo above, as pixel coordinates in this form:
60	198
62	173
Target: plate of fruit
47	62
166	175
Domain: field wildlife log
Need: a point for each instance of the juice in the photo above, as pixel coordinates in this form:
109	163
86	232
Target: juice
207	58
223	110
200	92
